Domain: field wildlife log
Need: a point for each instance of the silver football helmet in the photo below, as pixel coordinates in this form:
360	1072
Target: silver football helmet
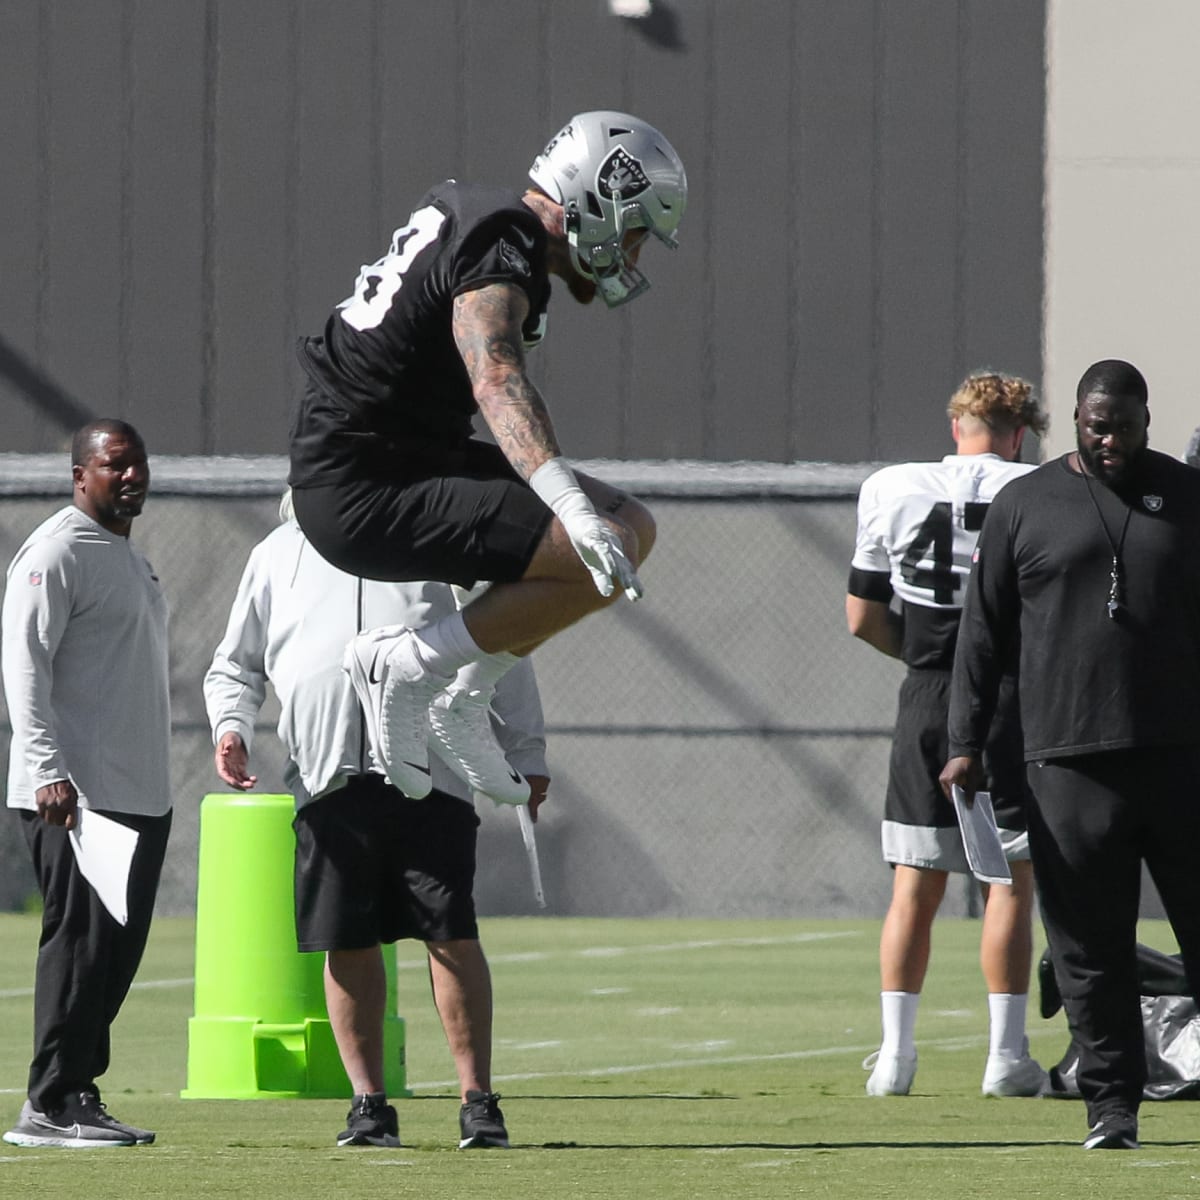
613	174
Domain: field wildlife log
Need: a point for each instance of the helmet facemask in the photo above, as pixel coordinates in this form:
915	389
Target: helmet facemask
611	263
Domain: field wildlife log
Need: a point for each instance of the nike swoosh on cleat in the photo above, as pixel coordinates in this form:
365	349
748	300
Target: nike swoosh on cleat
70	1131
371	672
415	766
516	776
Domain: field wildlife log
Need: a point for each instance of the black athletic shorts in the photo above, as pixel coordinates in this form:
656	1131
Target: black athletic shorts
452	514
920	747
373	866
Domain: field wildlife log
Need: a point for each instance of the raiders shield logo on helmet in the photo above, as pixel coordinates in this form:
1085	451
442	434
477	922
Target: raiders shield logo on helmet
621	176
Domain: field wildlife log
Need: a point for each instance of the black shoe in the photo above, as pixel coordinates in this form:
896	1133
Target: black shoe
1116	1131
482	1122
1051	997
370	1122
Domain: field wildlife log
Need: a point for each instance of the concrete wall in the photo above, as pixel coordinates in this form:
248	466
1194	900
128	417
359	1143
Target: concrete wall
1122	196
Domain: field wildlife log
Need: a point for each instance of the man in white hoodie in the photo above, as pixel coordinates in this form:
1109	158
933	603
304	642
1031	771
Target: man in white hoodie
372	865
86	681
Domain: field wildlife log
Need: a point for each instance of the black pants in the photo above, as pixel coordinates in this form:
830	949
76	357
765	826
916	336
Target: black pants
86	960
1094	819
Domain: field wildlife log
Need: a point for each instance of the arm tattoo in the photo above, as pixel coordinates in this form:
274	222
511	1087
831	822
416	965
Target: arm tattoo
487	330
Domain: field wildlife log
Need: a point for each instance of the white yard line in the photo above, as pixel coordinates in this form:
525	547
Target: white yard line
545	955
795	939
601	952
950	1043
18	993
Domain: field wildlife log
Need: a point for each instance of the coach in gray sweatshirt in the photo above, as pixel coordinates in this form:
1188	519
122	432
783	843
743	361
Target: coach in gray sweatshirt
86	682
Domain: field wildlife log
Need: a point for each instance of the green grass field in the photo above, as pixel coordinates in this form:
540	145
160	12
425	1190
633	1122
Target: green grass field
656	1058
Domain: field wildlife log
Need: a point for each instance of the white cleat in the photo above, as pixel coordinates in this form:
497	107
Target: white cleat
395	691
892	1075
461	735
1014	1076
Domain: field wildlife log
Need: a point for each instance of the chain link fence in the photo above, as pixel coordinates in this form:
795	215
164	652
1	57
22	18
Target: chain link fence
719	749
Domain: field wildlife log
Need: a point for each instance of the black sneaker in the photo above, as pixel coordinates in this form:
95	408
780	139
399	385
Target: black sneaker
370	1122
1116	1131
96	1111
81	1121
482	1122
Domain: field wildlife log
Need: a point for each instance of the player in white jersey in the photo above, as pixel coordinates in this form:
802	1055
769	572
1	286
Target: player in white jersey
918	524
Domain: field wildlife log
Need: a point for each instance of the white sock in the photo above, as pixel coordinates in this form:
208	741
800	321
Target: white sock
899	1012
1006	1033
484	673
445	646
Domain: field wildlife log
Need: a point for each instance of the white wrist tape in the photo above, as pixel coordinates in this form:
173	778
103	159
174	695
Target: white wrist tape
559	490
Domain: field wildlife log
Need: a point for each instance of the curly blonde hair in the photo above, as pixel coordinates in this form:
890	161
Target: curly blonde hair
999	401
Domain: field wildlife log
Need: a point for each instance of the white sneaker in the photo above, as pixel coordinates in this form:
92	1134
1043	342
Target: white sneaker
395	690
461	735
893	1073
1014	1076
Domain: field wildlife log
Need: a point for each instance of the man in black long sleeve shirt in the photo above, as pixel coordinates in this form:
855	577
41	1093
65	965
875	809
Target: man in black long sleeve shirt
1091	565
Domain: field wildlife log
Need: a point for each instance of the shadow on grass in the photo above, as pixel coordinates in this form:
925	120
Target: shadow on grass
1010	1144
521	1097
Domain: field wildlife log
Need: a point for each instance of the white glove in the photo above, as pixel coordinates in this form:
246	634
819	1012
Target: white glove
597	545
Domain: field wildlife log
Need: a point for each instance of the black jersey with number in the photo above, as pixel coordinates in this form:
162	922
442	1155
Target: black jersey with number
386	378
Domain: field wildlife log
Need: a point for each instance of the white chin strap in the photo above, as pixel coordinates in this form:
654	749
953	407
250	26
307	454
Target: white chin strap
621	283
622	286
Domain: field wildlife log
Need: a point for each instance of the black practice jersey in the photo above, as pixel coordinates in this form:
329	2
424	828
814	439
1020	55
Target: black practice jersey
1089	681
386	377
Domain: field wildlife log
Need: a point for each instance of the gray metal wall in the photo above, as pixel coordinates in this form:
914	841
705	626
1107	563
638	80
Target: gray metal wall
189	184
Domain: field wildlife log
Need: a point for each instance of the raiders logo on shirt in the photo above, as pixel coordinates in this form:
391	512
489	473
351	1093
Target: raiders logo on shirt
514	259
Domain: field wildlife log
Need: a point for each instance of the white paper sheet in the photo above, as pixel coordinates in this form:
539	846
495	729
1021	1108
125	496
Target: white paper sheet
535	870
104	851
981	838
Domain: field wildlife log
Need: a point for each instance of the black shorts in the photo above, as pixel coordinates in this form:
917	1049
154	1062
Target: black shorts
453	514
920	747
373	866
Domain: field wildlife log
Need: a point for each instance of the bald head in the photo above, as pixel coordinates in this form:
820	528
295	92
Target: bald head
1112	377
87	440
